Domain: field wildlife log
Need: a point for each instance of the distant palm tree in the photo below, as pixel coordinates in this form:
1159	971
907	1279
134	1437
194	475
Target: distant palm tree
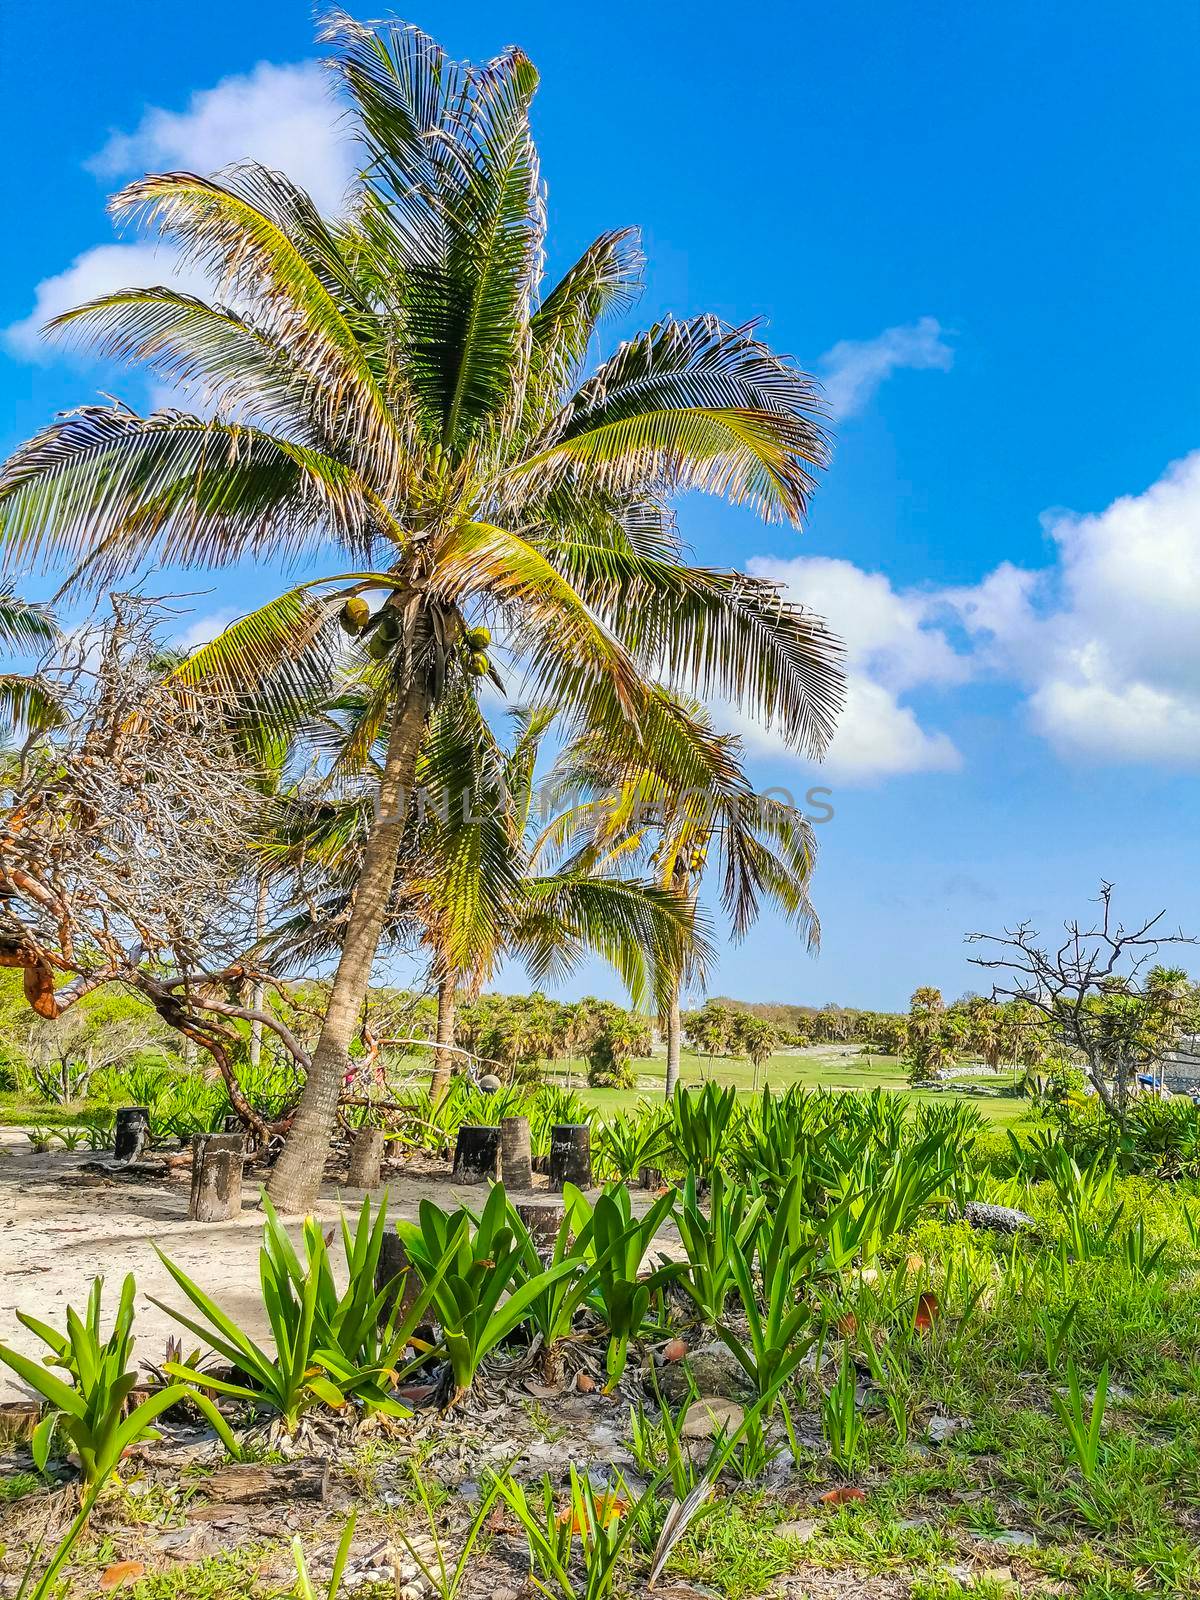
397	386
673	792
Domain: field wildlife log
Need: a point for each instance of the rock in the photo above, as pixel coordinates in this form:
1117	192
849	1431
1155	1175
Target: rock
796	1530
998	1574
711	1415
1013	1536
942	1428
713	1369
1000	1219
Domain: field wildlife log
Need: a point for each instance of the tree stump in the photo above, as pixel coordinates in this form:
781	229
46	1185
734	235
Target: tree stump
650	1177
366	1159
216	1176
516	1162
393	1261
571	1155
131	1132
476	1154
543	1218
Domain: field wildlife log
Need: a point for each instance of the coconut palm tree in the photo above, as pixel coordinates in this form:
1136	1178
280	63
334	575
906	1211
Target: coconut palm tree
467	890
675	793
397	386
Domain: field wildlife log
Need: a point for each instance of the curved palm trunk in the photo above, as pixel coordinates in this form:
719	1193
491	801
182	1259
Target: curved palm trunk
673	1041
296	1179
443	1060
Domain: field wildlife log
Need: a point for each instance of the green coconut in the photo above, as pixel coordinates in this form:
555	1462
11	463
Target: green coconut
479	638
478	664
355	615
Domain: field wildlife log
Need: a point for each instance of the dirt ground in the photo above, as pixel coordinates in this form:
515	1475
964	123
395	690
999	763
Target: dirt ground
61	1226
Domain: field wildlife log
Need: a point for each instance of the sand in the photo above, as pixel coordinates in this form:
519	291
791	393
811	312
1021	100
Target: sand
60	1228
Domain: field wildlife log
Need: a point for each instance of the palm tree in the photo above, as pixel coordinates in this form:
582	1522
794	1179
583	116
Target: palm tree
467	888
396	385
675	792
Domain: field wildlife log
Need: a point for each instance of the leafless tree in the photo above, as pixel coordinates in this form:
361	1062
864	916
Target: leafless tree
124	845
1100	991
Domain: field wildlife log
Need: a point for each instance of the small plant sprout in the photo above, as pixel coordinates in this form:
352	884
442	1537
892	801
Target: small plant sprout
1083	1423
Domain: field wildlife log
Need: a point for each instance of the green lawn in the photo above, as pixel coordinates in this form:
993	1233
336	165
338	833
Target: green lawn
816	1067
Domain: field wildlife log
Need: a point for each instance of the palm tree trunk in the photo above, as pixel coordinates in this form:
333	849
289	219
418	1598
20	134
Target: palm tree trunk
673	1041
257	993
443	1060
296	1179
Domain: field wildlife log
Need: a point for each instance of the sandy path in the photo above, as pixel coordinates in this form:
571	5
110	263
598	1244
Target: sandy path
58	1230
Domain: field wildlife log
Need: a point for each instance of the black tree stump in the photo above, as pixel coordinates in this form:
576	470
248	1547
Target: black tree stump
476	1154
571	1155
131	1133
216	1176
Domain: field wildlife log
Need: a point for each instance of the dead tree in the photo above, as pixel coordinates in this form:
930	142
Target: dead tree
124	833
1099	990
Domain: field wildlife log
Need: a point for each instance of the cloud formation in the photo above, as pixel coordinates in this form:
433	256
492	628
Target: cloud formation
1100	646
1105	642
853	370
893	646
101	270
282	116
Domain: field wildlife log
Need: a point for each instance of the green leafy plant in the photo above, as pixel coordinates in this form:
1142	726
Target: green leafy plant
1082	1422
620	1292
632	1140
41	1139
444	1578
732	1217
1141	1262
71	1138
841	1419
329	1349
469	1264
700	1124
304	1585
604	1521
90	1410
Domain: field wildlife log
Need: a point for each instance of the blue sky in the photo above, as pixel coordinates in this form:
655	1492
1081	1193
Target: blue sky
979	225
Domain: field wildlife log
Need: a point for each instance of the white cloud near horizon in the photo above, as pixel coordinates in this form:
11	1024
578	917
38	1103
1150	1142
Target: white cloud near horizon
1106	642
853	369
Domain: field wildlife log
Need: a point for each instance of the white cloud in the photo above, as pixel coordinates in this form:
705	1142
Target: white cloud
892	646
1105	642
282	116
101	270
853	370
204	629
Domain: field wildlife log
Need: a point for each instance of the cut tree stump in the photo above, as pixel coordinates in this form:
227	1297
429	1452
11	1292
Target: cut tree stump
516	1161
254	1485
476	1154
571	1155
216	1176
650	1177
366	1159
393	1260
131	1133
543	1218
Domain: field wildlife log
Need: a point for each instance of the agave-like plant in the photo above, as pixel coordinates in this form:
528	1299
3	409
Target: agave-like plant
397	385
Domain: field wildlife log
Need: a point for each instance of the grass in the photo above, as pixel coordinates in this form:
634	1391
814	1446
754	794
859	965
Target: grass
815	1067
